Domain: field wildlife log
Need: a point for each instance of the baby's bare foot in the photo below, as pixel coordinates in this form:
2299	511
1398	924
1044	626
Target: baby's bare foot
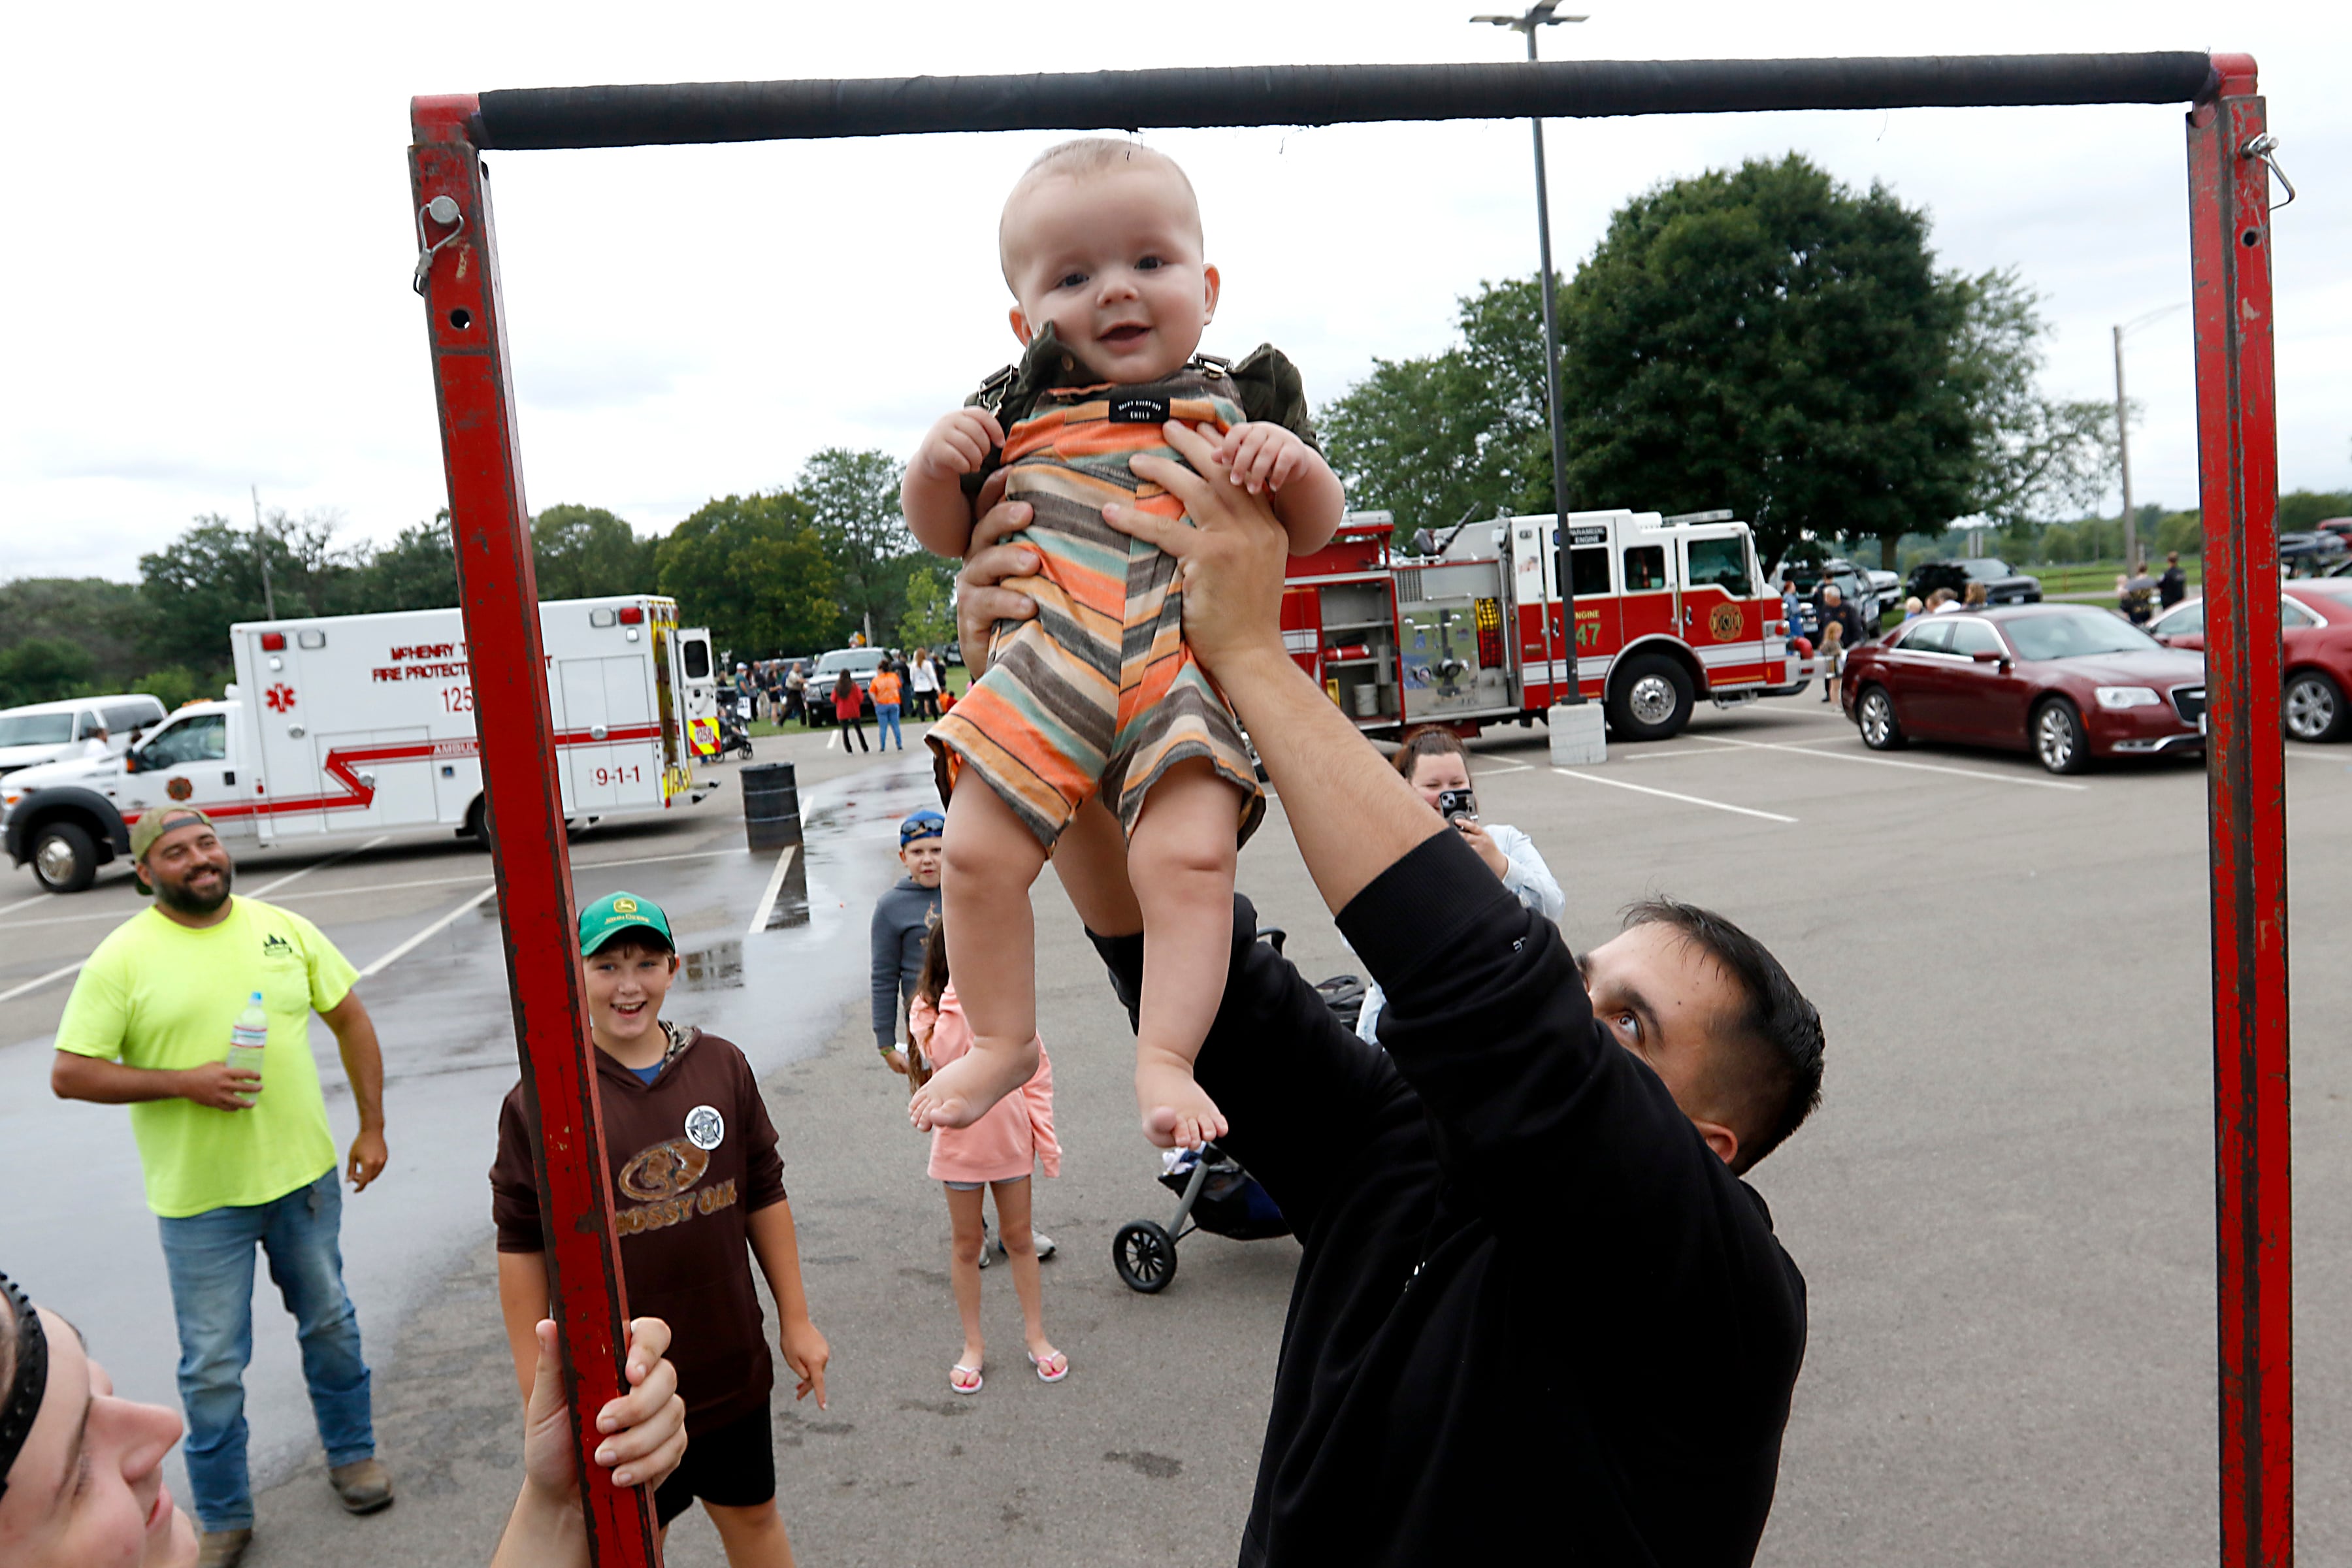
1177	1111
961	1093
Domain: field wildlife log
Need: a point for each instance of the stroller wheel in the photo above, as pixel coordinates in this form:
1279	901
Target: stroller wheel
1145	1256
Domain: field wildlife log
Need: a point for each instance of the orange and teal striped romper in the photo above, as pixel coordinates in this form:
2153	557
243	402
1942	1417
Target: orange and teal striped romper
1099	692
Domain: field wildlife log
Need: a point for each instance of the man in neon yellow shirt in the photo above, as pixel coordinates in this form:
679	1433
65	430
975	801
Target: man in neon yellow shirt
234	1159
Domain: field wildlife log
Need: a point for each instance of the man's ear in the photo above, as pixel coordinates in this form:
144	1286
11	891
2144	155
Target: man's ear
1719	1138
1021	327
1210	284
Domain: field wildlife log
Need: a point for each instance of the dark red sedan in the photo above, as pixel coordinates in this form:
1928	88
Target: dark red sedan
2067	682
2315	627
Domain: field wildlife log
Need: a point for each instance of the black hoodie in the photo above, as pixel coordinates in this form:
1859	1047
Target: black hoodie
1537	1318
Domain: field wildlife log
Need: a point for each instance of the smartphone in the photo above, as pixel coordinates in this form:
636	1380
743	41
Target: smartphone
1453	804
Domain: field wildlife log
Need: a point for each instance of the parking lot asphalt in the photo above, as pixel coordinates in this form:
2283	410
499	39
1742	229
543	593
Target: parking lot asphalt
2004	1208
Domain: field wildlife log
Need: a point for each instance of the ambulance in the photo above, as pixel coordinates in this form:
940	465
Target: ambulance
1469	631
349	726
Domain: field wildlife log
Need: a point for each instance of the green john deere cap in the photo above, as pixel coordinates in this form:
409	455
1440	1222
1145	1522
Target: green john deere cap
610	916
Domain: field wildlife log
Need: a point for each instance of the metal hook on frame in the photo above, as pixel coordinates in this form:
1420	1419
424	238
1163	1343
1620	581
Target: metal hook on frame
2265	147
440	209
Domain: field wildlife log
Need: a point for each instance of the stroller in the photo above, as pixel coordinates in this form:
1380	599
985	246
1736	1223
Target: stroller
1214	1192
734	734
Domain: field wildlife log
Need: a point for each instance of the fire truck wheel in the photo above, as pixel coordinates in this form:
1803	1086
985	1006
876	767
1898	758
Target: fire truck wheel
65	860
1650	699
1875	716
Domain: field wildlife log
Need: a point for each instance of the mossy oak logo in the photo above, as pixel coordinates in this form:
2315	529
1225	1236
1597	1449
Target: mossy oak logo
661	1179
1725	622
179	788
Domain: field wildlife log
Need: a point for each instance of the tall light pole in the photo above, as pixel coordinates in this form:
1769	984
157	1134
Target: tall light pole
1545	14
2123	431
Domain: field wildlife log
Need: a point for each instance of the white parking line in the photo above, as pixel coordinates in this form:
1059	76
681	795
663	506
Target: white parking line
775	886
1503	765
427	934
1669	795
1891	763
25	903
316	865
36	984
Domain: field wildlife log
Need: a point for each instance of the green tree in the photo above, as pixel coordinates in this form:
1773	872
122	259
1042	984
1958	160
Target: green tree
42	669
2037	457
417	571
1764	340
1431	441
930	618
2301	511
587	553
100	617
210	577
754	570
853	497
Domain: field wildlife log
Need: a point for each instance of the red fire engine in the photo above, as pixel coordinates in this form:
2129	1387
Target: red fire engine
1668	610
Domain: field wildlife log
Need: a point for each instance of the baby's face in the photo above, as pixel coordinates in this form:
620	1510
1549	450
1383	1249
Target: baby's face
1112	259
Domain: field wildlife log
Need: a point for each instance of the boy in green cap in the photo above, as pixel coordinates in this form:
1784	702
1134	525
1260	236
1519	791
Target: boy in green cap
696	1184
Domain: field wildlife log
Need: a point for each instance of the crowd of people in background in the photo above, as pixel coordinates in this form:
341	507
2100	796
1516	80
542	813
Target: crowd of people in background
776	690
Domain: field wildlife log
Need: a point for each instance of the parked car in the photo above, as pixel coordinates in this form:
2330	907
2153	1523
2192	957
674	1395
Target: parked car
2341	527
53	732
1887	586
2004	584
2316	629
2310	554
1853	585
2067	682
861	663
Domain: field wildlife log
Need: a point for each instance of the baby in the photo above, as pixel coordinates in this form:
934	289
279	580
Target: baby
1102	247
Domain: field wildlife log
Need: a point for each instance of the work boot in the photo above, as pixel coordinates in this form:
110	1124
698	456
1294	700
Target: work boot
223	1548
364	1486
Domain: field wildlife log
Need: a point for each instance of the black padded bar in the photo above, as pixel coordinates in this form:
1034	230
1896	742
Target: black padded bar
1315	95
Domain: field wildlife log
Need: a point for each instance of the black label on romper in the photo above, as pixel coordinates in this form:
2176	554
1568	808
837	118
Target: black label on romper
1143	408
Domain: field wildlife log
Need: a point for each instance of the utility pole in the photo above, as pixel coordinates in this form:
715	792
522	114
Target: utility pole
261	553
1581	731
2123	434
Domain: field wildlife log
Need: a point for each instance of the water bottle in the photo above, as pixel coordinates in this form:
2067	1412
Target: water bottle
247	1036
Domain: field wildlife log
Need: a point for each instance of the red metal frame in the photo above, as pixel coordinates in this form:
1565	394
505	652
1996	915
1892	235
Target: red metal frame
2230	239
499	591
2237	441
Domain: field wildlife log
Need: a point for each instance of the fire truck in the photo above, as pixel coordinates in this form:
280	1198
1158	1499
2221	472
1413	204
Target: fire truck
1470	631
349	725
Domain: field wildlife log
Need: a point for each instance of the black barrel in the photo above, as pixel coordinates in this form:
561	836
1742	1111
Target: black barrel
772	805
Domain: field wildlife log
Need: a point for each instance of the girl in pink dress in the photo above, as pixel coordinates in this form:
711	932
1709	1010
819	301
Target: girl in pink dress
997	1153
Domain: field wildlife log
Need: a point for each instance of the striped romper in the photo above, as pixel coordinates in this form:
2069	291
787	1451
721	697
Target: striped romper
1099	692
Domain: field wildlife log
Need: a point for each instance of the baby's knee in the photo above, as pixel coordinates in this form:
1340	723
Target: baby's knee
1188	857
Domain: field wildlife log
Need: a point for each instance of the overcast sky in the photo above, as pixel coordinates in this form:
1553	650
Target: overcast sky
210	239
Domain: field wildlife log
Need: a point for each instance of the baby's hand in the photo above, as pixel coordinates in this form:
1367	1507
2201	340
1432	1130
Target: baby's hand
959	444
1263	457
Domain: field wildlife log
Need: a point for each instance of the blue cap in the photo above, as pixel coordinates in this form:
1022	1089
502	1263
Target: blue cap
924	824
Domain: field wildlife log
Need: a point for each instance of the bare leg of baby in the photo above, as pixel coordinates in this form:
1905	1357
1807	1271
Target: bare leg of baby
988	861
1180	859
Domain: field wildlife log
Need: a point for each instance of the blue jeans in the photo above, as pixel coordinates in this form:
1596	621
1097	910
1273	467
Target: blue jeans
210	1257
886	725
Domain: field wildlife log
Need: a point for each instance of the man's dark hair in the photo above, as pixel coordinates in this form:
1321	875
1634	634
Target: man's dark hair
1776	1080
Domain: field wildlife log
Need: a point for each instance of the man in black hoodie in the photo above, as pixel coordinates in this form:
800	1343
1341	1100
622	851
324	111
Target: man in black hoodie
1537	1315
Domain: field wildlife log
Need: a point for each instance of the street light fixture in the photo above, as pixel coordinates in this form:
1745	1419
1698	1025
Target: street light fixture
1546	14
2123	430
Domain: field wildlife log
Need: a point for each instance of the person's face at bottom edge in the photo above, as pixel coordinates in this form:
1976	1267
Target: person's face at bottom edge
87	1489
1662	997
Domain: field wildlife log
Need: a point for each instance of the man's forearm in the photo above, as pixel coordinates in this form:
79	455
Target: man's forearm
1351	814
363	1066
103	1082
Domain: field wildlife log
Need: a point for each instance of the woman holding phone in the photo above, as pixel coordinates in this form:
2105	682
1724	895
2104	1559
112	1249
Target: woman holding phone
1434	762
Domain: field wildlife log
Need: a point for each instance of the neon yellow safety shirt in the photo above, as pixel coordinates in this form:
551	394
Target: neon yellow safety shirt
159	995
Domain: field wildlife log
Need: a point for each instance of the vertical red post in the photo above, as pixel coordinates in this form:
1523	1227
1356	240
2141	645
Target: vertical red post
507	666
2230	239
